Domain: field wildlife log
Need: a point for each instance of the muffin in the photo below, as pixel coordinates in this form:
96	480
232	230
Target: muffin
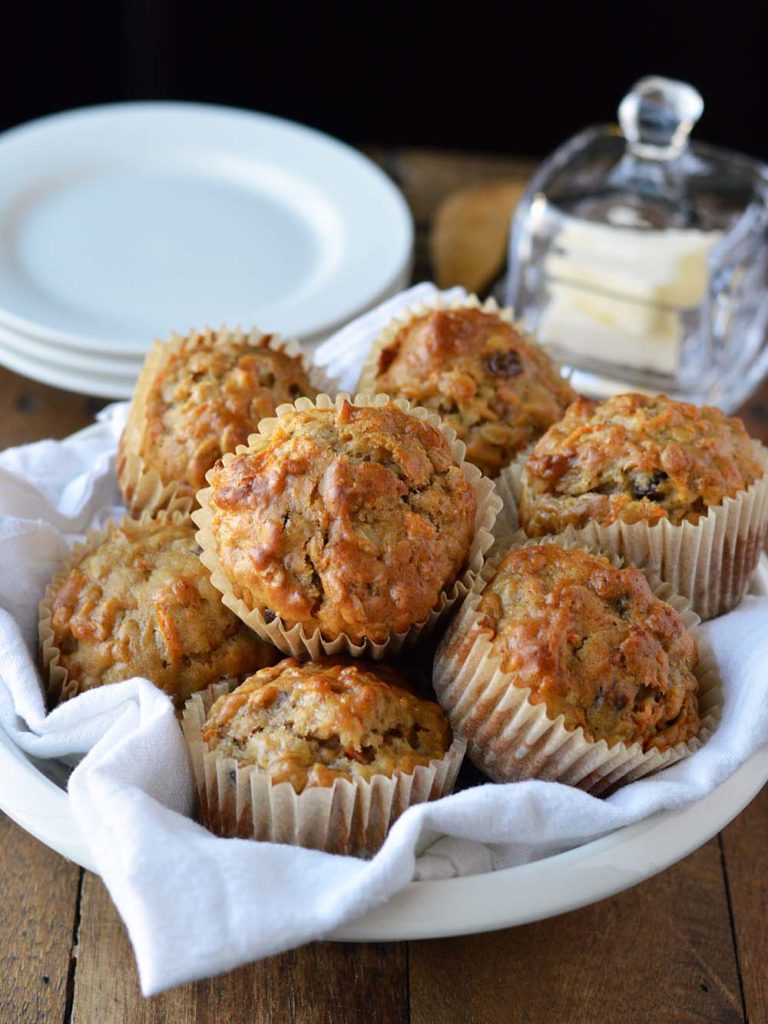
137	601
348	524
325	754
634	458
569	668
495	387
670	486
196	398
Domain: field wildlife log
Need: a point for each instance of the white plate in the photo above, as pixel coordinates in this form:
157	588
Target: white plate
119	224
33	796
37	349
84	382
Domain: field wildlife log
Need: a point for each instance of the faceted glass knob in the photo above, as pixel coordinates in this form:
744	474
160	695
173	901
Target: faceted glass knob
657	115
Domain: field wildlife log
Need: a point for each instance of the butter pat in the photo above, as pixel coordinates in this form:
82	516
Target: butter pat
616	294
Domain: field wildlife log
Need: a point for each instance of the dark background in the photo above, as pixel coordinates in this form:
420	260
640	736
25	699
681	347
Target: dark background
508	77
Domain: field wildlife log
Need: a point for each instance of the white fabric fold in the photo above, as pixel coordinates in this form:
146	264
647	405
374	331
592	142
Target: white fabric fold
195	904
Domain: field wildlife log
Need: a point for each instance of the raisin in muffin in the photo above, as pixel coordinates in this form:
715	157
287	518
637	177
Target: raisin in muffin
325	754
634	458
569	668
195	399
347	520
497	389
139	602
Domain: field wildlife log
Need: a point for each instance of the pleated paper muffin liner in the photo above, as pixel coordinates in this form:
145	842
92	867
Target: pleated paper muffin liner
295	640
710	562
58	684
350	817
142	485
511	739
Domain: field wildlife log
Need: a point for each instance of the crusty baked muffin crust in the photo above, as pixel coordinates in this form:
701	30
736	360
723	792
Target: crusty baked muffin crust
594	644
634	458
351	520
311	723
142	604
496	389
208	397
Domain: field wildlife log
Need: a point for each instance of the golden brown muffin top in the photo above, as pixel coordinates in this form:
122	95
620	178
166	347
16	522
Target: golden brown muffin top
496	389
594	644
208	397
350	520
634	458
142	604
310	724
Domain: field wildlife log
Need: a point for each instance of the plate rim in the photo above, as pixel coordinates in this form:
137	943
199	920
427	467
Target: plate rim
401	265
119	385
92	384
421	905
78	359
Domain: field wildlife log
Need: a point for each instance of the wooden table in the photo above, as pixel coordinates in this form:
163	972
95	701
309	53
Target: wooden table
688	945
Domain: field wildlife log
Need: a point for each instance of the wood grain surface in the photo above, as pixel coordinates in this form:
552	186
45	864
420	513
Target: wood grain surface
660	953
689	945
327	983
37	929
745	860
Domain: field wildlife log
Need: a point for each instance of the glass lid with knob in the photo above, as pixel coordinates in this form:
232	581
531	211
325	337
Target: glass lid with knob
640	258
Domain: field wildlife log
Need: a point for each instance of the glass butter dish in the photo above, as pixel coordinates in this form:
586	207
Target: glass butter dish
640	259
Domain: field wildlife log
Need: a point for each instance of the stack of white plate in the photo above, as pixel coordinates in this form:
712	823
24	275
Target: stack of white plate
120	224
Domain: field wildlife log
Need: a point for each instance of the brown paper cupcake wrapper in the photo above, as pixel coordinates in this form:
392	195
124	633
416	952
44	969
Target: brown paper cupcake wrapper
295	640
350	817
511	739
143	488
58	685
710	562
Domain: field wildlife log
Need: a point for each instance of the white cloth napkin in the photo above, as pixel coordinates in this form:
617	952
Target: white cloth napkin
196	905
